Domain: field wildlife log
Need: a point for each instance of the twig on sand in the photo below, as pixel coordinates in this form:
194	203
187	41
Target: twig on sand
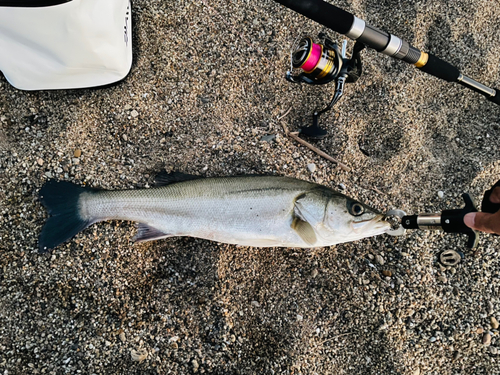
283	115
295	135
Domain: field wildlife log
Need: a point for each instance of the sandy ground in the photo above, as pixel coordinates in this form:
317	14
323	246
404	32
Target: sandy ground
206	86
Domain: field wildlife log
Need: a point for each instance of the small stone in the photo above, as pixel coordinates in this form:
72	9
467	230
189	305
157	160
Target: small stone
311	167
443	279
139	355
195	364
401	109
433	339
299	318
127	107
173	345
383	327
268	138
77	153
486	339
314	273
479	330
255	304
75	161
494	322
493	350
342	186
134	113
125	138
379	260
48	174
122	337
387	273
491	309
440	194
416	372
40	161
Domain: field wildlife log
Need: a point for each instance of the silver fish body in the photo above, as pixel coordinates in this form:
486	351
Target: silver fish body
248	210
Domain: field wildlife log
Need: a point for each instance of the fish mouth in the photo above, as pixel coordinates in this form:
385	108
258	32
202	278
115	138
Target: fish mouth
376	225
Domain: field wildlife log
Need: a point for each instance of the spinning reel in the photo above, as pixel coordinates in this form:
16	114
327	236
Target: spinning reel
321	64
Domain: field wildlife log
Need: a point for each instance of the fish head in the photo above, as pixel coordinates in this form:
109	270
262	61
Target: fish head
346	219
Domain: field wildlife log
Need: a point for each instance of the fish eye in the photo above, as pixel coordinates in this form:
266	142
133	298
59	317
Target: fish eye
356	209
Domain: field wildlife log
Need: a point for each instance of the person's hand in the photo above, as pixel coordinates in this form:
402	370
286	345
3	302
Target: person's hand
484	222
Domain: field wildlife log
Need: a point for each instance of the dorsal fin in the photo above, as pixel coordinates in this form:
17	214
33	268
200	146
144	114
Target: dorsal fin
164	178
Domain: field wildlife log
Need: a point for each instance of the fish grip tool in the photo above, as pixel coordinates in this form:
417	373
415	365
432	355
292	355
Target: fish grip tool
321	63
449	221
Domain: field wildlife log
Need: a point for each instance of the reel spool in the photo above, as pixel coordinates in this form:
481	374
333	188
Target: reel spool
321	63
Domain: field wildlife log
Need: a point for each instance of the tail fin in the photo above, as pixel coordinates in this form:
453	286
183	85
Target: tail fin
61	200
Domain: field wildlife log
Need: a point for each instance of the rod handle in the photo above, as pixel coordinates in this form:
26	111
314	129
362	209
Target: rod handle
439	68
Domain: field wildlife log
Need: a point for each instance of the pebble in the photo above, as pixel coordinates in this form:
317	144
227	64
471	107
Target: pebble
127	107
314	273
493	350
138	355
486	339
379	260
268	138
134	113
443	279
416	372
311	167
122	337
480	330
387	273
433	339
255	304
40	161
125	138
77	153
494	322
195	364
440	194
299	318
491	309
342	186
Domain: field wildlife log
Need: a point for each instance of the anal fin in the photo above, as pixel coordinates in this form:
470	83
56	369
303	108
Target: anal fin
148	233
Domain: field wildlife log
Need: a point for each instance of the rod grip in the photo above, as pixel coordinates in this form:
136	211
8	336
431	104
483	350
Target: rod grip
441	69
320	11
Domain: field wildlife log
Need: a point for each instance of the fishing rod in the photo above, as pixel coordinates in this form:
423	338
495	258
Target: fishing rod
355	28
322	63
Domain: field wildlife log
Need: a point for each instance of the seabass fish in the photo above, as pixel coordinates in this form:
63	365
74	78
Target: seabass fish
245	210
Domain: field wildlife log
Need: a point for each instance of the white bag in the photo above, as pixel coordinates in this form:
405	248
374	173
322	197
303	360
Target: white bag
72	44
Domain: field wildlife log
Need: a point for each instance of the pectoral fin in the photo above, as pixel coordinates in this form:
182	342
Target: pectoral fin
304	230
